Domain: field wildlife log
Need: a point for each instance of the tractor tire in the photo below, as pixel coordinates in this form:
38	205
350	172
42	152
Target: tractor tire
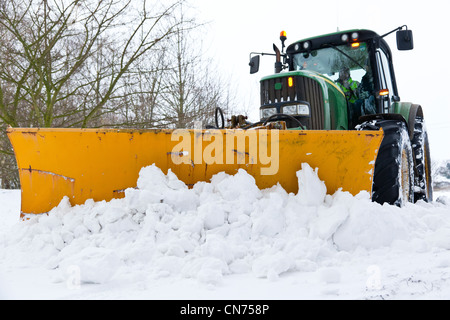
423	187
393	178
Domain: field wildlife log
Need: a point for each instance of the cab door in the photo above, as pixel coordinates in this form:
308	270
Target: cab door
387	91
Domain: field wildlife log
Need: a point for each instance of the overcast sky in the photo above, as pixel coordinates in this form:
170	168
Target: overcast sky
238	27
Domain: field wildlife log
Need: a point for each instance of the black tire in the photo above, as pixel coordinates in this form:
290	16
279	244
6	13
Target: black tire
423	187
393	178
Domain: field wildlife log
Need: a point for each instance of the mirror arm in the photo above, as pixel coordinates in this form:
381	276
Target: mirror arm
262	54
397	29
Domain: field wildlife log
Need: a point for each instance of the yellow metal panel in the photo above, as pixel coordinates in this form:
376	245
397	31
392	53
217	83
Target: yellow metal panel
100	164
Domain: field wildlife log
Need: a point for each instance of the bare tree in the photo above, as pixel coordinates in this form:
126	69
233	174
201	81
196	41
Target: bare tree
141	93
68	57
192	90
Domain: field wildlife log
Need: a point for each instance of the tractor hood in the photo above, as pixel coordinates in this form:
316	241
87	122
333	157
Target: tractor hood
312	90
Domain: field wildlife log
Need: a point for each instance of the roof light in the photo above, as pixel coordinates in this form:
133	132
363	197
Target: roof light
283	37
355	36
306	45
344	37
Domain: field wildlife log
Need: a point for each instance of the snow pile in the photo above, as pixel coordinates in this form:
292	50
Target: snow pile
441	175
228	226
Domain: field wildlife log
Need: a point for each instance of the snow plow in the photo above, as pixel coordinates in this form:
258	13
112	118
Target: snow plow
358	134
101	164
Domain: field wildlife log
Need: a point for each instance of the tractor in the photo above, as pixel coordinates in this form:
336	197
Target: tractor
346	81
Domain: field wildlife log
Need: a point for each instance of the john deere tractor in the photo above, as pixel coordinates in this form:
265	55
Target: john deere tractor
310	90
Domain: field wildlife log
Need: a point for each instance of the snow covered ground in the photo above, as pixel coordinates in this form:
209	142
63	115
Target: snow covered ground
226	240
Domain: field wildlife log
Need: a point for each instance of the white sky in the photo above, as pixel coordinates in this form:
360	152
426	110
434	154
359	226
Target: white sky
238	27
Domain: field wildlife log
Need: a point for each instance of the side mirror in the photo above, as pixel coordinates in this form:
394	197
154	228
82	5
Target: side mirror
405	40
254	64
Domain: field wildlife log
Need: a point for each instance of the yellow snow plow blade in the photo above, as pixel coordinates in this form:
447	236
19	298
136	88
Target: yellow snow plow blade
100	164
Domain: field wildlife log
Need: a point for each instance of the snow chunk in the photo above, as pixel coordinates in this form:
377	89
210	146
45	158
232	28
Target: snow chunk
312	190
272	265
94	265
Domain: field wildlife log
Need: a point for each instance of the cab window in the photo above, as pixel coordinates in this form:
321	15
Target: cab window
385	80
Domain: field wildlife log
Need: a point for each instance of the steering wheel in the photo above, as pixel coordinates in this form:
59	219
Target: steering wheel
281	115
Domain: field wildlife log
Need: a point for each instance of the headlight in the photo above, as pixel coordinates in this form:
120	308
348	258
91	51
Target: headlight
267	112
296	109
303	109
290	110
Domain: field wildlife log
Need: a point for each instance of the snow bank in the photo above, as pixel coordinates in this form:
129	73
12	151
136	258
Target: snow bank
227	226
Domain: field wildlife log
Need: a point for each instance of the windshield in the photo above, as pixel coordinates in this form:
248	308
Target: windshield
331	60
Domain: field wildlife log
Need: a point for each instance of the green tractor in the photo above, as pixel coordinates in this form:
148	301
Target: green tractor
346	81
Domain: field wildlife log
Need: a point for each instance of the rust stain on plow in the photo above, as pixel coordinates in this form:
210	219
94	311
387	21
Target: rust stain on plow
180	154
241	153
49	173
119	194
44	185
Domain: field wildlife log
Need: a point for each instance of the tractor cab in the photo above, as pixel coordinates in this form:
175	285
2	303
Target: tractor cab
348	66
355	63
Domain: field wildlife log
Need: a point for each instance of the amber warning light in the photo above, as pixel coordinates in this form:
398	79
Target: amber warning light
290	82
283	38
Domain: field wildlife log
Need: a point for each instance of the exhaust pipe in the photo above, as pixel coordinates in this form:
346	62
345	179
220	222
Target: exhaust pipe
278	64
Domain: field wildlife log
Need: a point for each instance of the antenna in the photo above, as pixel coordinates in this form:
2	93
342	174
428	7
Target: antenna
338	3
